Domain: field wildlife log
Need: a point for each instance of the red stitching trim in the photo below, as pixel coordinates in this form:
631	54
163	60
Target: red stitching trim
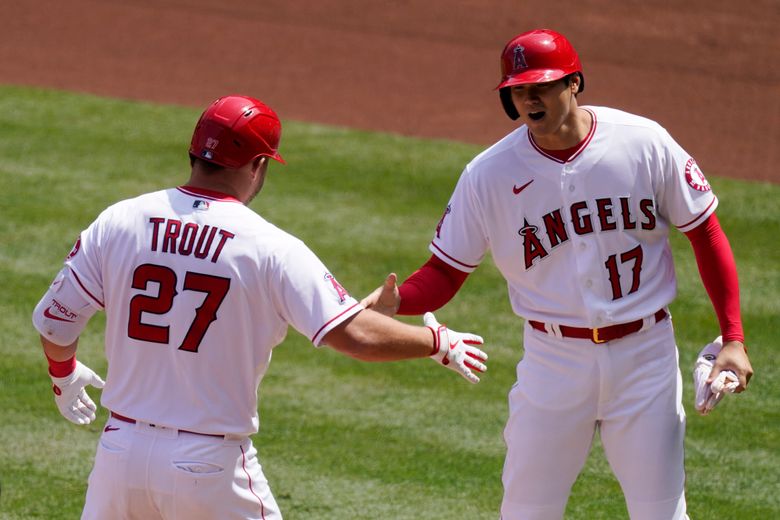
207	194
453	259
331	321
700	214
251	490
86	290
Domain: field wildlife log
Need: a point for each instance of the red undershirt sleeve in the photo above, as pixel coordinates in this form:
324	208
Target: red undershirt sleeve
719	275
430	287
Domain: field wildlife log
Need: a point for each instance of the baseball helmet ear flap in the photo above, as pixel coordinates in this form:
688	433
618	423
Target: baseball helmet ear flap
508	104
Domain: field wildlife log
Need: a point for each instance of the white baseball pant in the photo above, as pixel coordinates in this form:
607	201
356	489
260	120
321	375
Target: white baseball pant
629	390
150	472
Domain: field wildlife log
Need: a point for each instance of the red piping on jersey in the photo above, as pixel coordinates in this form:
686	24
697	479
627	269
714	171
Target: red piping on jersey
207	194
579	147
700	214
243	466
453	259
331	321
87	290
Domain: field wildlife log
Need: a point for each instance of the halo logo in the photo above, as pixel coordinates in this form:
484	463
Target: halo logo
519	57
342	293
695	177
75	250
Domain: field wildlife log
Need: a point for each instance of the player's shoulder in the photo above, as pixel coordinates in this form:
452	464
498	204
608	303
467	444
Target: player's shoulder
503	151
131	205
617	117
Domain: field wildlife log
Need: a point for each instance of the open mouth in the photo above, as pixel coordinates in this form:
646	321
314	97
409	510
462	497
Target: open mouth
536	116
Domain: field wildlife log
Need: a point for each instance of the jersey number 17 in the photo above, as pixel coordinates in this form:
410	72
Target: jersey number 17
634	255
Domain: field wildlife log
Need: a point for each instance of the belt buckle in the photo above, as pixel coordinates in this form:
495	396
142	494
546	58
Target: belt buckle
595	337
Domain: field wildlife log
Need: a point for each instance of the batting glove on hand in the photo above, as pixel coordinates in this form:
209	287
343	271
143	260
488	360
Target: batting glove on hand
71	397
709	395
454	350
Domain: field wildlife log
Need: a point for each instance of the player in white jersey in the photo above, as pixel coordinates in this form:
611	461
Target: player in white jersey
198	289
575	207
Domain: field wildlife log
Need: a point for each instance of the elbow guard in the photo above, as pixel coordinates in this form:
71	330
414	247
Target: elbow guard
63	312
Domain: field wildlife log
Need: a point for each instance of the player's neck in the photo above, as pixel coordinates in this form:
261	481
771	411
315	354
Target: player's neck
213	187
572	131
232	182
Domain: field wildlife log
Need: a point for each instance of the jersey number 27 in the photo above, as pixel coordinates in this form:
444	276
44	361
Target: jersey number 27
215	287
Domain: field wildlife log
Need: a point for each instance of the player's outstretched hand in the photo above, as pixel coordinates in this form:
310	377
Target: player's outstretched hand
385	299
71	397
455	350
711	387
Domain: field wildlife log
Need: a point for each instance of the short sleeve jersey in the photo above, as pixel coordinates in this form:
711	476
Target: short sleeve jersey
582	242
198	289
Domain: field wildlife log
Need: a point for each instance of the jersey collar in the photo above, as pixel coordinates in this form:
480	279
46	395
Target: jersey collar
207	194
573	152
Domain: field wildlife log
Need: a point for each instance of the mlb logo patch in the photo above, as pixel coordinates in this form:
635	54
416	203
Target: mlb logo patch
201	205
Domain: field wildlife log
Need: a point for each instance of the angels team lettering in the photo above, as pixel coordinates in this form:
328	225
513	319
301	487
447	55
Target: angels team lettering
175	237
610	214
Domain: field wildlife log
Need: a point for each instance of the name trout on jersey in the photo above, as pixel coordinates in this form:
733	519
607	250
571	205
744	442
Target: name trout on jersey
609	215
173	236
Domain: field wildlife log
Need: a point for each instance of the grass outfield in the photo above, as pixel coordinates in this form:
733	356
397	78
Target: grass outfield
340	438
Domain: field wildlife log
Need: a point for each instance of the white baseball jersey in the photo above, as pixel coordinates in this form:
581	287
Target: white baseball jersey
198	289
582	242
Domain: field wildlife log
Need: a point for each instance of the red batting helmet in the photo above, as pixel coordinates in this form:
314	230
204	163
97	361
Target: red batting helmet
536	56
235	130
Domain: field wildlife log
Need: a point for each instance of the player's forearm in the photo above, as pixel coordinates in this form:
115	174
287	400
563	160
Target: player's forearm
718	272
370	336
58	352
430	287
61	359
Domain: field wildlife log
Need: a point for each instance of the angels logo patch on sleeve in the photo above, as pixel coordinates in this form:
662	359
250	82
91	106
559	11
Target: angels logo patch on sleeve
340	291
695	177
75	250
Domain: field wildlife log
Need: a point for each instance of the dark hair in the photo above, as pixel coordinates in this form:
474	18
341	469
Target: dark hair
205	166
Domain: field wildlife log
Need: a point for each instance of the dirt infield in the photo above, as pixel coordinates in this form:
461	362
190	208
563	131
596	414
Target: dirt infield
705	69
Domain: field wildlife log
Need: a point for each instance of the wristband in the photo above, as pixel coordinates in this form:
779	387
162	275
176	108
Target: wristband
61	368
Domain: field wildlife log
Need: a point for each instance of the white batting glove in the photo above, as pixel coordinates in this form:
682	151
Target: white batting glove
454	350
71	397
708	396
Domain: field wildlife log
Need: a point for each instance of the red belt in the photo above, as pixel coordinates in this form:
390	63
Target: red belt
603	334
133	421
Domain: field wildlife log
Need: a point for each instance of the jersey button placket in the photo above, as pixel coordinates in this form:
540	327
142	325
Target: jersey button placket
581	257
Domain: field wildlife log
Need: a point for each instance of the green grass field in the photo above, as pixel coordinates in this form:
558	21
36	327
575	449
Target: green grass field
340	438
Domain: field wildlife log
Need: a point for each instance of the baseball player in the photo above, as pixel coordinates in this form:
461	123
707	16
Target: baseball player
198	289
575	207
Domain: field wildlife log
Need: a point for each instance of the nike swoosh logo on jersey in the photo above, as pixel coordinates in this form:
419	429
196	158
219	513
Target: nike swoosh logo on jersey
517	190
110	429
51	316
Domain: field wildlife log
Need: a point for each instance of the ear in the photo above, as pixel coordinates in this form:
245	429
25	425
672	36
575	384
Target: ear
574	83
258	162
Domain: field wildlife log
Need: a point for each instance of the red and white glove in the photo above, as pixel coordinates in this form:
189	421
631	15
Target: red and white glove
454	350
71	397
707	396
